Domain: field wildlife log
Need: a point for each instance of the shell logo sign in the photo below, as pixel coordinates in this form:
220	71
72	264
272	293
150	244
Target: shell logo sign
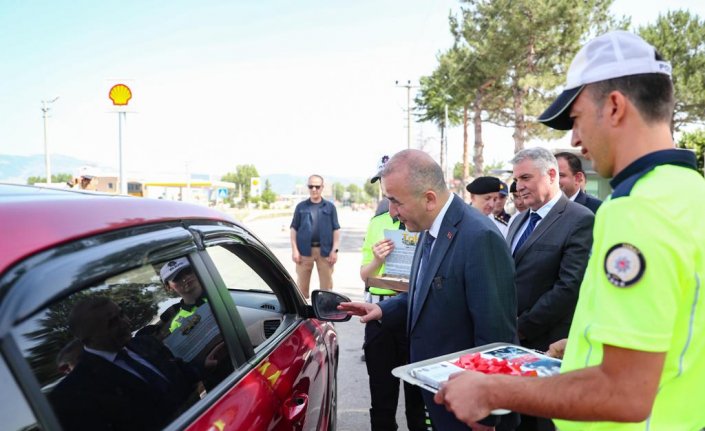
120	94
254	186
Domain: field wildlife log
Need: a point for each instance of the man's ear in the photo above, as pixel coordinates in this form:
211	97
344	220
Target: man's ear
431	200
616	107
552	174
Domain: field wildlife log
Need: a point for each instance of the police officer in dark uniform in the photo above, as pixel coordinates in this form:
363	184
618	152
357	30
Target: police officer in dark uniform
486	194
498	212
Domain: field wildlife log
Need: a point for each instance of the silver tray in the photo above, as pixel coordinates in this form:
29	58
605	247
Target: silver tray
545	365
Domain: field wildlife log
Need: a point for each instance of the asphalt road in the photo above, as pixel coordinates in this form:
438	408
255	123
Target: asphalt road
353	390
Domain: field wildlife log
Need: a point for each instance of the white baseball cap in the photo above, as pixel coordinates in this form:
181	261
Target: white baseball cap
612	55
172	268
380	165
88	172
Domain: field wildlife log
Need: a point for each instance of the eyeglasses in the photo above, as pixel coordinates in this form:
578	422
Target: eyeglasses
311	187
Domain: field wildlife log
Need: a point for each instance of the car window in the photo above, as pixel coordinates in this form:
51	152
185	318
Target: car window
258	305
237	274
14	410
130	352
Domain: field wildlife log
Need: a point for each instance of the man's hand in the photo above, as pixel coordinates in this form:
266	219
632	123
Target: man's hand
557	349
479	427
382	249
463	395
296	257
369	312
332	257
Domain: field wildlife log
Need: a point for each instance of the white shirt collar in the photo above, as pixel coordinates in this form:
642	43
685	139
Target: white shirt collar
543	211
572	198
110	356
436	226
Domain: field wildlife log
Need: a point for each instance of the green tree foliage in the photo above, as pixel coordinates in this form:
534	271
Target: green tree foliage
355	193
372	190
242	176
338	192
55	178
268	196
474	76
679	36
434	101
507	61
535	40
695	141
458	169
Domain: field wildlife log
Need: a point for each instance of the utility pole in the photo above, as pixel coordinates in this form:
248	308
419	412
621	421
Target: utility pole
449	176
408	87
47	159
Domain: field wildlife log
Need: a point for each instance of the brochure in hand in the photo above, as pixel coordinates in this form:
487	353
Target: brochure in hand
497	358
398	262
197	335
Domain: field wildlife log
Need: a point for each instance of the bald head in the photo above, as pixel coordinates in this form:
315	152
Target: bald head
420	171
100	324
413	183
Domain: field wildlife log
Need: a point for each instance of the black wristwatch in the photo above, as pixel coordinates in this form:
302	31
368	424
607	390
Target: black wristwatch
336	250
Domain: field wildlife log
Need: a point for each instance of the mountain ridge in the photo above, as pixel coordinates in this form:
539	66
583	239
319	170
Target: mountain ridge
17	169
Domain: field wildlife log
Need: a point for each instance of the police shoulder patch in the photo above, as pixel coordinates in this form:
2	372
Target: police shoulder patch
624	265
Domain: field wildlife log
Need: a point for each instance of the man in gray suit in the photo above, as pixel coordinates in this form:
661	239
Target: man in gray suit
551	245
461	291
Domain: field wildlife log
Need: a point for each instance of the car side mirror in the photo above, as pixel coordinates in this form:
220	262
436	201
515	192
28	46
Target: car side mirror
325	306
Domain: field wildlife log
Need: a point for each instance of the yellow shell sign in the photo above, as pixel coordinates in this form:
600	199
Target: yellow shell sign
120	94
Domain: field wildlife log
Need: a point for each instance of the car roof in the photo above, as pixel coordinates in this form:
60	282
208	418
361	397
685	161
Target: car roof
33	219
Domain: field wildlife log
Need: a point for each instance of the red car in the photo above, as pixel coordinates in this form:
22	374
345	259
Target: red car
124	313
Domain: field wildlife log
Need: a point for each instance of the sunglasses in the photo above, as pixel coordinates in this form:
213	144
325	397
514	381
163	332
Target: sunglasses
311	187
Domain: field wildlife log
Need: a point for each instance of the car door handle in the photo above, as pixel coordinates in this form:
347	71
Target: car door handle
295	407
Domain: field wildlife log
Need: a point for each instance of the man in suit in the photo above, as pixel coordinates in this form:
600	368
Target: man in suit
462	284
551	246
120	382
572	176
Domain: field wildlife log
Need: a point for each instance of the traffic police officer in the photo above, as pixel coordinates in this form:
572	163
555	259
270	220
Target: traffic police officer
634	355
178	277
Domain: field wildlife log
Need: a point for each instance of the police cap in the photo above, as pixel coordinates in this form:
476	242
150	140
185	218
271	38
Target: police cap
484	185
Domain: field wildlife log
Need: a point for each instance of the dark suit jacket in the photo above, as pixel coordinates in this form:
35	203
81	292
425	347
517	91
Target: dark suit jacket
466	297
588	201
99	395
549	269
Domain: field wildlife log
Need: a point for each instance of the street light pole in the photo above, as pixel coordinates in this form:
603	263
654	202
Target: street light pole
47	159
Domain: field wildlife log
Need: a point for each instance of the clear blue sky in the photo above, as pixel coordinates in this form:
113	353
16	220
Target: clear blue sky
291	87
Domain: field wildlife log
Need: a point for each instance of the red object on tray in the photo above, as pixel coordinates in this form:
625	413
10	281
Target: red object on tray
476	362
